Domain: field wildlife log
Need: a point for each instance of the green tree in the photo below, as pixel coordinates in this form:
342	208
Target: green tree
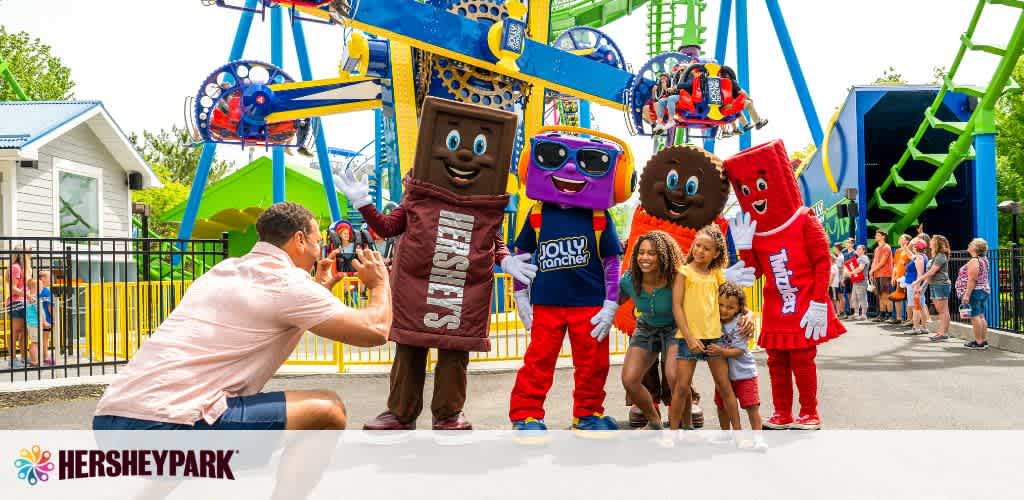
162	200
40	74
175	152
1010	151
890	77
174	158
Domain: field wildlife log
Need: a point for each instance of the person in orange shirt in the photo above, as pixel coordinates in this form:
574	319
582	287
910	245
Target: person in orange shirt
899	295
881	275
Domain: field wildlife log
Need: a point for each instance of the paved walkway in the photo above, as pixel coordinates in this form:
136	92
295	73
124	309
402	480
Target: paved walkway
871	378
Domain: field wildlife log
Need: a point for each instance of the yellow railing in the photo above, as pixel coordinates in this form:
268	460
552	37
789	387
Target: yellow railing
122	315
119	316
508	337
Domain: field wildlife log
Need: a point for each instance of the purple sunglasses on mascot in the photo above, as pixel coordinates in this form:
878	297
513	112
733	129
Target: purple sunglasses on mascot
572	171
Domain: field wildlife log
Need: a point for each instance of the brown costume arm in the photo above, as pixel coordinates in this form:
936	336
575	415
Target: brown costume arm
500	249
387	226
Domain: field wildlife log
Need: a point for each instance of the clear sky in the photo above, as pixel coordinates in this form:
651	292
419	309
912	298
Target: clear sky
143	57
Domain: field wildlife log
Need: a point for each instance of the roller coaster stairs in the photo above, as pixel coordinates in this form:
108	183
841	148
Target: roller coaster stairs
672	24
982	120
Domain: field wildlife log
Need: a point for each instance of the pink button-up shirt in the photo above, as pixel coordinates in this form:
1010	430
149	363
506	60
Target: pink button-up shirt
233	329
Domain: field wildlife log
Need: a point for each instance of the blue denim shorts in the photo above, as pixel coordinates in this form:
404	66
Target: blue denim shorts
940	292
16	309
978	301
265	411
684	350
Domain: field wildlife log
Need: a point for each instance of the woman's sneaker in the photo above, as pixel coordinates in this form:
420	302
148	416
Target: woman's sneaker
975	346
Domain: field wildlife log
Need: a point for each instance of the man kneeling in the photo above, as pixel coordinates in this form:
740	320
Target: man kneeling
205	365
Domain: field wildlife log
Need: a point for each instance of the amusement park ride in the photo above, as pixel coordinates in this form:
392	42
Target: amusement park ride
494	53
530	59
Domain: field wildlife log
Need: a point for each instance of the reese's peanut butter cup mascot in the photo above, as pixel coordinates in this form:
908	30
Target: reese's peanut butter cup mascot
787	245
575	175
682	189
450	225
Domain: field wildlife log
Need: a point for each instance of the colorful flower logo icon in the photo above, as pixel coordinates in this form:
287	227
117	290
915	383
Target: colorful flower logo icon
34	465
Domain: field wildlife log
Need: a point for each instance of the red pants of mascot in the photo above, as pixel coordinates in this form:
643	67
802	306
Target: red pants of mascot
785	366
589	357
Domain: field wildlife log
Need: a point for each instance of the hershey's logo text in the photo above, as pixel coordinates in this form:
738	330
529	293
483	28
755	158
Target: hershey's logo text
447	281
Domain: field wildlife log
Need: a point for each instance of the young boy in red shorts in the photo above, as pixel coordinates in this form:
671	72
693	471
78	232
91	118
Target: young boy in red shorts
742	367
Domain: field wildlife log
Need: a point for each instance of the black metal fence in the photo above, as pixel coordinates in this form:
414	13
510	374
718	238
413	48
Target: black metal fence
1005	309
82	306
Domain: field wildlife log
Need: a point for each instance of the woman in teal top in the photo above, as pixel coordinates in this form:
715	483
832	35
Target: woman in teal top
648	282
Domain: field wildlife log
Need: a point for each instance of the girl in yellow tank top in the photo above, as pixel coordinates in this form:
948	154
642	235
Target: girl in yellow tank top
695	307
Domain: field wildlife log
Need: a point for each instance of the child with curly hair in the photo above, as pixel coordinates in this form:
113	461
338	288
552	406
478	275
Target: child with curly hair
696	311
742	367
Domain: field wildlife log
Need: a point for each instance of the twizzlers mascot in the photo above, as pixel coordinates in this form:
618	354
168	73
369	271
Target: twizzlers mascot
682	189
787	245
450	225
575	180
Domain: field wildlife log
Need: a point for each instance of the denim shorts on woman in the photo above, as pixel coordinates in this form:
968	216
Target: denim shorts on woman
684	350
654	339
940	292
16	309
979	300
265	411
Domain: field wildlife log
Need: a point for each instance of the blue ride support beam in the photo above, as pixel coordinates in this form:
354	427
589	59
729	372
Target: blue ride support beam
195	195
743	59
795	72
986	217
445	34
721	45
378	160
322	156
277	59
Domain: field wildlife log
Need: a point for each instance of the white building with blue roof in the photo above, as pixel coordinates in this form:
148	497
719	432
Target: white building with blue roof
67	170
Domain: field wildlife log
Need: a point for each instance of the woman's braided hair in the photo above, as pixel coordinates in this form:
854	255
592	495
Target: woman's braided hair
715	233
669	258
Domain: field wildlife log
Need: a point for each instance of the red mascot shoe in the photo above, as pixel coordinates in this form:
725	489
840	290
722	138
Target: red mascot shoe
778	422
806	423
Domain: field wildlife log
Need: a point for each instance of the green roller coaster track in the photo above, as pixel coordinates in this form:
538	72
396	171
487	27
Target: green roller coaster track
982	120
566	14
670	23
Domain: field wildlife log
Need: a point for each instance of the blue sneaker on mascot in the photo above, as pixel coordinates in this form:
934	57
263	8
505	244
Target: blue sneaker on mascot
530	424
595	422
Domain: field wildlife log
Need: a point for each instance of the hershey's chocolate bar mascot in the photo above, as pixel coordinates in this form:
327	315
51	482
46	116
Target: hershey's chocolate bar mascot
450	225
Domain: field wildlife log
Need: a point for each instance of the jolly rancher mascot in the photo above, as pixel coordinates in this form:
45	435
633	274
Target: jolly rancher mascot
787	245
450	225
575	175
